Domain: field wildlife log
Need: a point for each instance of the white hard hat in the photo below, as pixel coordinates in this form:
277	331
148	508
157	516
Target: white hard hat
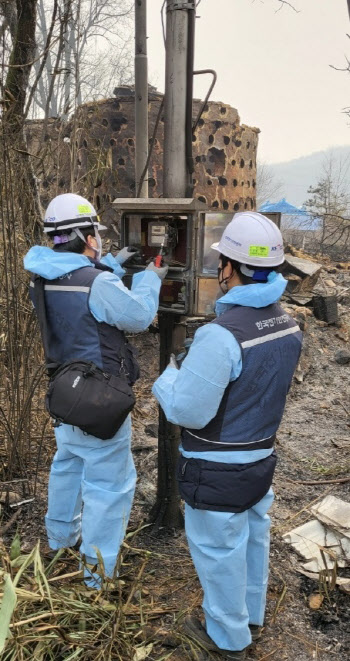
251	238
69	210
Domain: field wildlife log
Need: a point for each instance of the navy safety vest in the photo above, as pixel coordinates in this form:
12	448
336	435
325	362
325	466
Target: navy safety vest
249	414
73	332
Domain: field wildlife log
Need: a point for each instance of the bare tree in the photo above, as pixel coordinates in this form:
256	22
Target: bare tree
90	52
329	205
16	161
268	187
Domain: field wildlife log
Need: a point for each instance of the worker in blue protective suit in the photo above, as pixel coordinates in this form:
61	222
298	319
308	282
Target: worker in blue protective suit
229	396
92	481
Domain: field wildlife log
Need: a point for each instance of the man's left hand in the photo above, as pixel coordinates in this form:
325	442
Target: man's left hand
127	255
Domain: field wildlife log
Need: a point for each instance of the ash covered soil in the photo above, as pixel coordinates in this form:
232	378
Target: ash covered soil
313	446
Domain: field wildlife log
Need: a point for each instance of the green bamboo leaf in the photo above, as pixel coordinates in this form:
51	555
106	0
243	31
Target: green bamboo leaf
8	604
15	548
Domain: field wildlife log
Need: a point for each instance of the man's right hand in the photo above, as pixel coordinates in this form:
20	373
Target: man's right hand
161	271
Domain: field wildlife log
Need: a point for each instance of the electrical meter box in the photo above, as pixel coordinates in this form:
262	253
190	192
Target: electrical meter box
183	230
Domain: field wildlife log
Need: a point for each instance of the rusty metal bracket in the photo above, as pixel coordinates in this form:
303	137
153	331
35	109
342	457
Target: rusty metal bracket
201	110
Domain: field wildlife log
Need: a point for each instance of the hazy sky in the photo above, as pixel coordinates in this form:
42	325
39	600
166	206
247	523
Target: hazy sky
273	67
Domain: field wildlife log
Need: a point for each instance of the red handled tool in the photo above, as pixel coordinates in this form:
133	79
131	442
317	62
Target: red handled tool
158	261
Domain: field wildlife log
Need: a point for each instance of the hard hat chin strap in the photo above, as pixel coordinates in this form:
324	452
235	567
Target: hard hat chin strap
98	250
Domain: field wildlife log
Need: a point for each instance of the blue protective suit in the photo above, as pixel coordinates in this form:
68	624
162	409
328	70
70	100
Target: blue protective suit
230	550
98	476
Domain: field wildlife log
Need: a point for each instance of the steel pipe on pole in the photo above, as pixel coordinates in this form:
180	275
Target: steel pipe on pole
141	96
176	69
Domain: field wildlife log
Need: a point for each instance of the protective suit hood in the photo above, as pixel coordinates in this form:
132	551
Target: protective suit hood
50	264
258	295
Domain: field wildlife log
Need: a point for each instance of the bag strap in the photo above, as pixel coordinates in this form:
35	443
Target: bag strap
40	307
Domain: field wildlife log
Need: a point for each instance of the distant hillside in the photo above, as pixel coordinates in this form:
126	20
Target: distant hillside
297	175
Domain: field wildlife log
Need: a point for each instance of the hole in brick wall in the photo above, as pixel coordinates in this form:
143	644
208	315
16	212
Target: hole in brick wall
130	142
201	198
237	142
242	183
112	142
248	183
198	159
215	204
235	182
105	122
117	122
209	182
121	161
251	203
222	181
233	162
211	139
226	140
250	164
217	124
246	205
225	204
223	110
236	206
218	157
254	183
201	122
151	182
208	171
85	144
241	163
194	137
248	144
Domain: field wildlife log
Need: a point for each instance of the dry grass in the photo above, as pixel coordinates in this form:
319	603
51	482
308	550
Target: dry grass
47	613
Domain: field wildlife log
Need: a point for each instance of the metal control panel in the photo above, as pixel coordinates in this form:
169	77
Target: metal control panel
184	230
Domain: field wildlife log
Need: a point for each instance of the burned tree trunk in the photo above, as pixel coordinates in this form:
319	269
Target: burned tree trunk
14	143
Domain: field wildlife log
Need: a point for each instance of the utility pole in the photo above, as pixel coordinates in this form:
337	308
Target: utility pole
180	19
141	95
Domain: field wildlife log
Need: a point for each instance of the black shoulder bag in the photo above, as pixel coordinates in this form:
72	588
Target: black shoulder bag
80	393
